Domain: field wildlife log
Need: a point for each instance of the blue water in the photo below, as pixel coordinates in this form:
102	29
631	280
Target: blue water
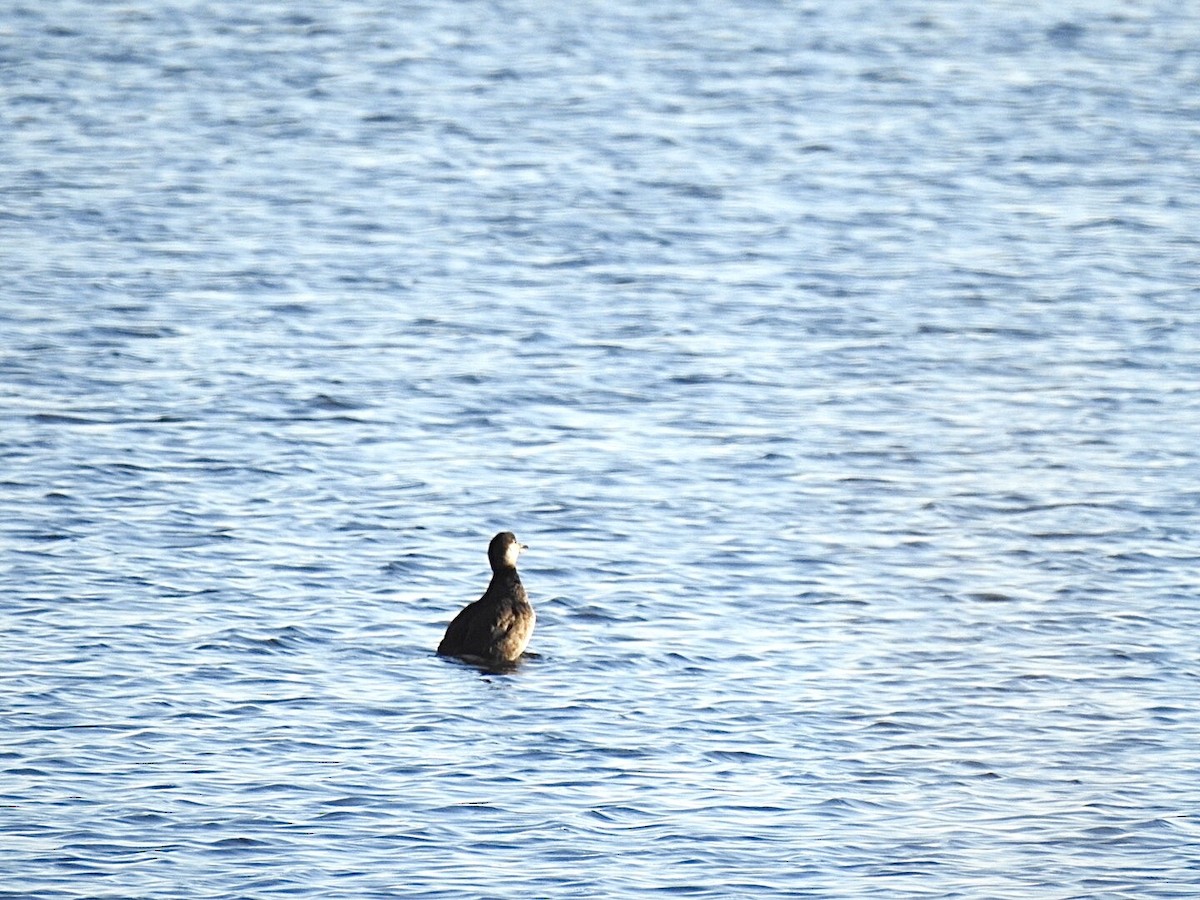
839	362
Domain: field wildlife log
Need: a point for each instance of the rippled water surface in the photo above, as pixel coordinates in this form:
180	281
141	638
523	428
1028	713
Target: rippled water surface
839	363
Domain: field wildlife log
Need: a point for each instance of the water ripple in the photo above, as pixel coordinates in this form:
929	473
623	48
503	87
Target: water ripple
839	368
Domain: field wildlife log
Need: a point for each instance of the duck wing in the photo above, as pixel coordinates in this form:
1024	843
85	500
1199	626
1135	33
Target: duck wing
458	637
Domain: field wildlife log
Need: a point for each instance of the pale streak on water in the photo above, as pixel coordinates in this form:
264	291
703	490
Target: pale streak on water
839	363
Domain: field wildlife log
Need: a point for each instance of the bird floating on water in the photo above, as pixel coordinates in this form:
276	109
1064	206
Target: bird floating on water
495	628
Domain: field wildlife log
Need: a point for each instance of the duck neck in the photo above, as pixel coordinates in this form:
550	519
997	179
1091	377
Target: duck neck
505	575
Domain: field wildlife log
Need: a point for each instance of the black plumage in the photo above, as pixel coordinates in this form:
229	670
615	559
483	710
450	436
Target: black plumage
496	627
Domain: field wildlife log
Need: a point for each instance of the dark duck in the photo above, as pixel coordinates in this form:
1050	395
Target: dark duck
495	628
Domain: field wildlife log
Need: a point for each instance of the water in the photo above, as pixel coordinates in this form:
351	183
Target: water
838	363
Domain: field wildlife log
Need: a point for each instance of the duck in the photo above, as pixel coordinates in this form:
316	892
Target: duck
495	629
